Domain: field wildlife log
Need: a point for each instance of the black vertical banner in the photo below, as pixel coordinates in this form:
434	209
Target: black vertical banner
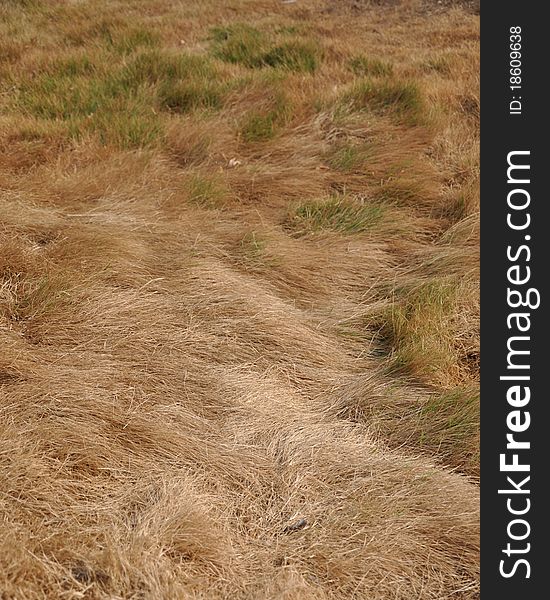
515	264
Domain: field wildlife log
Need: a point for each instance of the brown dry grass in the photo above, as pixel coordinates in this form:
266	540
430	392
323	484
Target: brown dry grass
238	300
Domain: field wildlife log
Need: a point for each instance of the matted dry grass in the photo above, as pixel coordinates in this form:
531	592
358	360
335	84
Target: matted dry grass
238	300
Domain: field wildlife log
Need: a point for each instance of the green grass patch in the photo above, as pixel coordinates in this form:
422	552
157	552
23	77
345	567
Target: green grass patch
417	332
363	66
52	97
400	100
156	66
114	35
137	37
122	102
448	424
208	192
184	82
293	56
264	123
341	214
72	66
258	127
94	104
125	125
243	44
239	44
349	158
185	96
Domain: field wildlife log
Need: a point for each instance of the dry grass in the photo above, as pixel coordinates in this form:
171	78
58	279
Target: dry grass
238	300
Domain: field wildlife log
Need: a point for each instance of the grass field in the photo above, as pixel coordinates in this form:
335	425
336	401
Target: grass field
239	299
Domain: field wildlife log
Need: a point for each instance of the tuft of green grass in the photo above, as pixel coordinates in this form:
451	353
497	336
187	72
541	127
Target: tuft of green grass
293	56
185	96
96	102
73	66
184	82
119	102
127	126
444	424
62	97
363	66
262	124
398	99
113	35
349	158
341	214
417	332
208	192
258	127
155	66
138	37
239	43
246	45
448	424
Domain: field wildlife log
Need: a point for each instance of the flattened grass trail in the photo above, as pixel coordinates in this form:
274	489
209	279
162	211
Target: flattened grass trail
239	347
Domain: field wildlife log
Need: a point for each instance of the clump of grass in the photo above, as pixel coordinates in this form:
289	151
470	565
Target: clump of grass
398	99
454	209
34	298
155	66
253	244
263	123
239	44
439	64
184	96
135	38
128	125
418	334
111	34
444	424
73	66
338	213
348	158
294	56
246	45
259	127
52	96
205	191
101	32
363	66
34	303
448	424
118	102
95	102
190	143
184	82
